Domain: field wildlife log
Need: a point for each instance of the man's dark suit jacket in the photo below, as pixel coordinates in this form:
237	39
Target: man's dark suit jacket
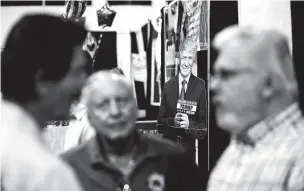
196	91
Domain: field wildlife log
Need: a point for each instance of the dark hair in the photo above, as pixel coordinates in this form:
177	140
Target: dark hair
37	43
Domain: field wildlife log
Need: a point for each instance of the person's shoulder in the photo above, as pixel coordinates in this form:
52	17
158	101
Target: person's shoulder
299	128
170	81
59	176
57	165
164	146
48	165
76	153
199	80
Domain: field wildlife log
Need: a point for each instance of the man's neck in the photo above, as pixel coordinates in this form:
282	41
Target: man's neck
270	109
120	148
277	106
184	77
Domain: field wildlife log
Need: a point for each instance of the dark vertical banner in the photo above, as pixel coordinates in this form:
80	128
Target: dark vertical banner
106	55
298	45
222	14
171	15
155	70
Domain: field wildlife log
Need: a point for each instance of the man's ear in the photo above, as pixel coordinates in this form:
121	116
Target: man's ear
42	86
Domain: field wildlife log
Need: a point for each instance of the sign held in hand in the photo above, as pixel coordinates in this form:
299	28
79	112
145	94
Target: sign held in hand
187	107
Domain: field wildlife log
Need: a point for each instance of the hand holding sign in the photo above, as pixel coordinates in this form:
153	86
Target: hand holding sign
184	121
184	108
177	120
181	120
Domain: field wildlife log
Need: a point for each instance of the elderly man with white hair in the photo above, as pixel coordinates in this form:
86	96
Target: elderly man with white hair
79	129
255	97
118	157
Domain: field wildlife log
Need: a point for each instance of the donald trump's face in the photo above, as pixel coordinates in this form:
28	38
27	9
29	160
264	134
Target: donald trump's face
187	60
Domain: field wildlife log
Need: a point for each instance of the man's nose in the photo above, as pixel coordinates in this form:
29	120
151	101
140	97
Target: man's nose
114	109
187	62
214	85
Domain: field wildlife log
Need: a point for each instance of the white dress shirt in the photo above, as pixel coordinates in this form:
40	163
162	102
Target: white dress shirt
180	83
26	163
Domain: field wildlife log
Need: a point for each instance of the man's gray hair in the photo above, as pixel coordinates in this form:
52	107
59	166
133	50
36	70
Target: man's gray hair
93	82
268	41
188	44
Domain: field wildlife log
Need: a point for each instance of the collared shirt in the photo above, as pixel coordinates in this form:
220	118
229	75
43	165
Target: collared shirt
156	167
78	132
26	164
180	82
270	157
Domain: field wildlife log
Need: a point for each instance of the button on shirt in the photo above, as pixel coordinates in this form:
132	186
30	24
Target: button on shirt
180	82
26	164
270	157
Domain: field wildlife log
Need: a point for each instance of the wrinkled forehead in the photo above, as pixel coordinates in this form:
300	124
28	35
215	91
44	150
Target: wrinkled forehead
110	88
105	83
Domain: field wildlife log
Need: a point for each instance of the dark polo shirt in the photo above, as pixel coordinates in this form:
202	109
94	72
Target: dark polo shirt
161	165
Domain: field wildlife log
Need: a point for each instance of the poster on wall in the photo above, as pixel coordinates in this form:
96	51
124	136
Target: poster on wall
203	29
196	22
171	13
156	62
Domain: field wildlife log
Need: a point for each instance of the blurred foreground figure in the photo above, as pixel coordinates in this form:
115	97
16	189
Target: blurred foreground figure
255	98
43	71
118	157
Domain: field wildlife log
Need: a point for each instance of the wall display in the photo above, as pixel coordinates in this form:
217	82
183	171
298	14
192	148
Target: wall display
171	42
196	21
203	29
74	11
105	15
183	19
156	63
141	64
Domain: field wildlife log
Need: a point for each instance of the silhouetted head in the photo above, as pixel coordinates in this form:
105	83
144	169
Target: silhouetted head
43	64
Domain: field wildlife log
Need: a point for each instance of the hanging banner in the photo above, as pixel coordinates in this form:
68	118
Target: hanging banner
196	22
171	32
156	62
203	26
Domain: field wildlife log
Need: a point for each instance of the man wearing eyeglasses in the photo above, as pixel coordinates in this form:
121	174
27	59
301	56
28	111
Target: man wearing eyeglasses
183	102
255	97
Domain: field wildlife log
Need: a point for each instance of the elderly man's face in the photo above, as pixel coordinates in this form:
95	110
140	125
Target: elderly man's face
236	86
187	59
112	109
